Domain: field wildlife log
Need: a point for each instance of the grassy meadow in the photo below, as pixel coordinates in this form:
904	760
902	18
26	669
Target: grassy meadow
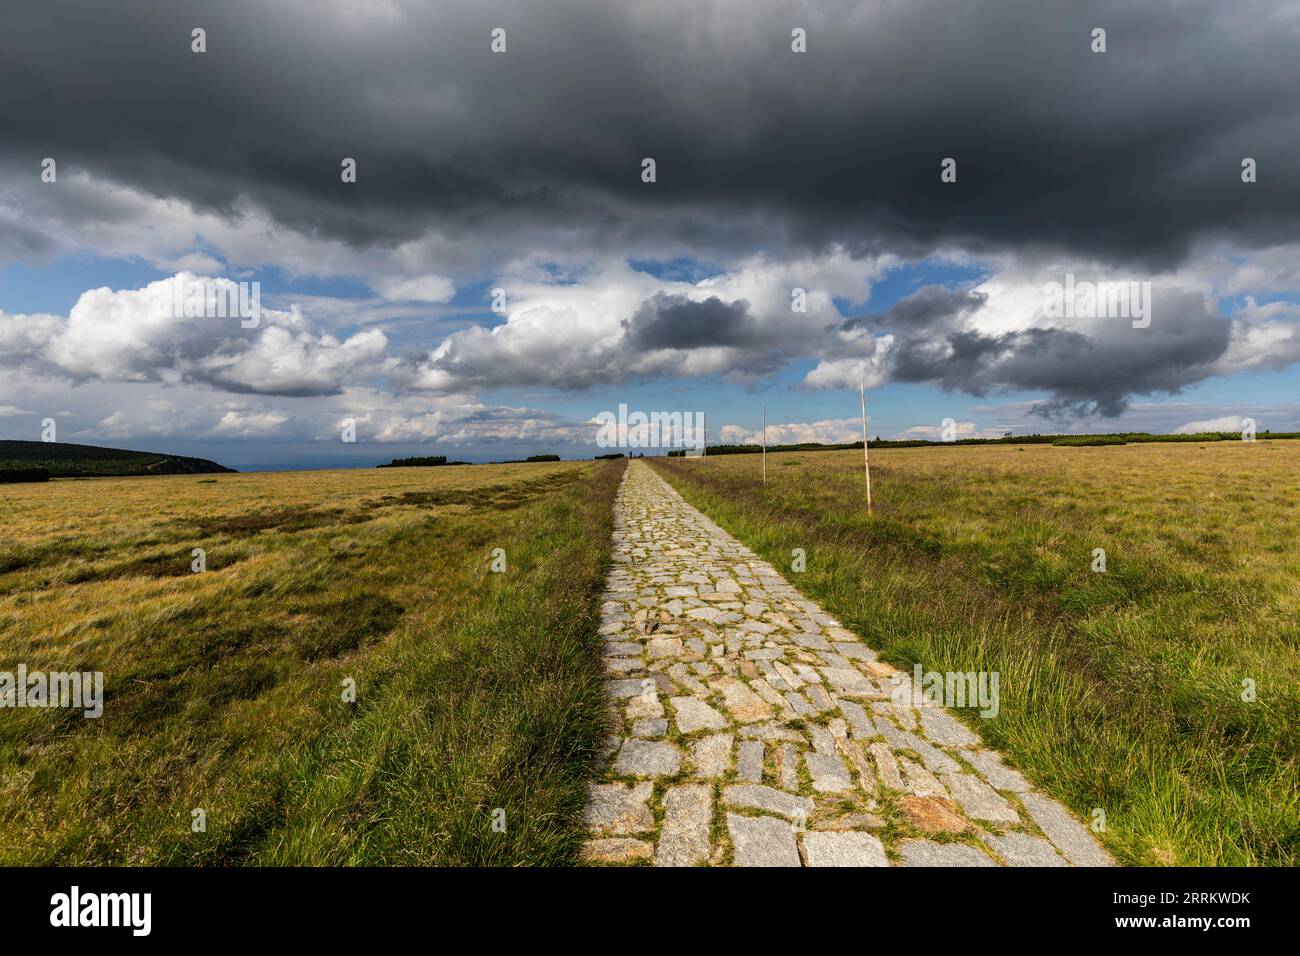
1120	690
224	689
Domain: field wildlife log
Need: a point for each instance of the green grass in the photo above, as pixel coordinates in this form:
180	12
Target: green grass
1120	691
224	690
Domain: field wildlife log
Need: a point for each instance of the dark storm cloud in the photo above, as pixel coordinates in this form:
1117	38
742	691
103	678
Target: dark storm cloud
21	241
929	306
1127	155
1093	370
676	322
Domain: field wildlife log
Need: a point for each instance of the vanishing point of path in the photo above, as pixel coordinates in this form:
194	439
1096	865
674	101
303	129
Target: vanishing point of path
753	730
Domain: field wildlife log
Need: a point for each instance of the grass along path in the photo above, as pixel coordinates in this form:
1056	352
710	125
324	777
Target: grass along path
476	690
1121	691
713	655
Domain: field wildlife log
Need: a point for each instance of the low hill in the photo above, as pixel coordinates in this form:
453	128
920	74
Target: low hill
63	460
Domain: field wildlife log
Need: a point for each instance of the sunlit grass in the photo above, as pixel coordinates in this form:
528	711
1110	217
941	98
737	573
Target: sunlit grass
224	689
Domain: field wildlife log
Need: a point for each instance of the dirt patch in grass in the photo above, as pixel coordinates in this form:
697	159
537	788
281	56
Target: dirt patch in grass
340	627
497	498
154	566
280	519
26	557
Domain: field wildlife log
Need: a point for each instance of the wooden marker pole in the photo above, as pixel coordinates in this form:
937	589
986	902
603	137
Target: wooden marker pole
765	443
866	459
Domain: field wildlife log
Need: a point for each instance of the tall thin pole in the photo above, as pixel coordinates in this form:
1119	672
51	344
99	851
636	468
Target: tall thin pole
765	443
866	460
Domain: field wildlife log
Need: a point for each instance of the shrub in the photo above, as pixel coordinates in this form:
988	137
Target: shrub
429	461
1083	441
9	476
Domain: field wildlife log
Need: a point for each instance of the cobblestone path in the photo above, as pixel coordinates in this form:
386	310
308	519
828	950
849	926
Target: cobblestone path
753	730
